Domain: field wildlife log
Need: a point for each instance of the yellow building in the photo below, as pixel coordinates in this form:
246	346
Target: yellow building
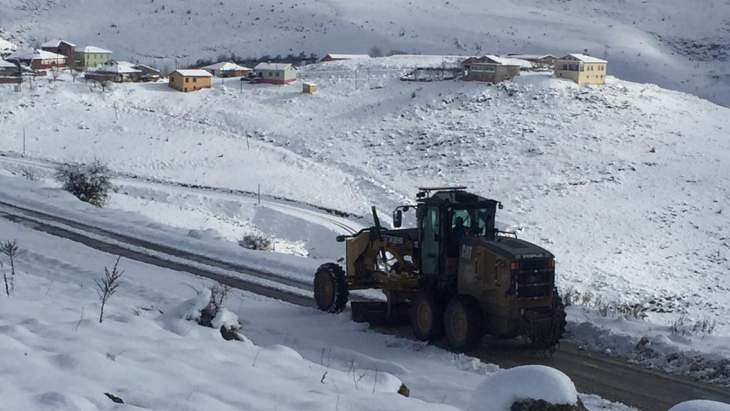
581	69
190	80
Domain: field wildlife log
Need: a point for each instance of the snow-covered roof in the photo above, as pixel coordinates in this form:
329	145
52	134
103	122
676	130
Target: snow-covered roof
35	55
7	46
584	58
273	66
511	61
55	43
193	73
336	56
225	66
6	64
532	56
117	67
92	49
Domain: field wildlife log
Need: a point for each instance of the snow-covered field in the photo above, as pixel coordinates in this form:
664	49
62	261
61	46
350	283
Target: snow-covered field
57	356
627	184
679	44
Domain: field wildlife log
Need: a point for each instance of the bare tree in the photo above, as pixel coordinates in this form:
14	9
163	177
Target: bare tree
107	285
10	249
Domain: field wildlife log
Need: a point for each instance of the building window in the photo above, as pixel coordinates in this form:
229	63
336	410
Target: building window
195	79
187	80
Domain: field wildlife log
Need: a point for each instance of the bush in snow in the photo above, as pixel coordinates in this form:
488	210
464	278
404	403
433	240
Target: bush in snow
215	315
107	285
685	327
10	249
526	388
255	242
88	182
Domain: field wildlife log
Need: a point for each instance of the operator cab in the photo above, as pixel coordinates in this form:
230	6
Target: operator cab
446	217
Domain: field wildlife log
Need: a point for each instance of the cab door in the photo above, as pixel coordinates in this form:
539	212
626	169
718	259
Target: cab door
431	239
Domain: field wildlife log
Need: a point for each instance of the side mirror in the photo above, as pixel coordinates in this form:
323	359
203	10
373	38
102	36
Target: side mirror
500	206
397	218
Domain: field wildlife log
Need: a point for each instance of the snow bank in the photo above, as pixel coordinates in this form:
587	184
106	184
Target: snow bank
701	405
500	390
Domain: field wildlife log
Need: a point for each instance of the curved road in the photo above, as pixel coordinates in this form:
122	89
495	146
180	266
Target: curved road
592	372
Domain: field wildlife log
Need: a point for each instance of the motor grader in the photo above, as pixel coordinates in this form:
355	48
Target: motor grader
455	273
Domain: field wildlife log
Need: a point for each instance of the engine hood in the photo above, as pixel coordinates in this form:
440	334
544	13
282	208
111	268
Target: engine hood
514	248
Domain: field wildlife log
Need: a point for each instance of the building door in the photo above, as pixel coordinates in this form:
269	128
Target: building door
430	241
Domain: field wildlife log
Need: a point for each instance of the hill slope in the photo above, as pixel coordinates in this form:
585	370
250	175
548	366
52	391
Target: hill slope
676	44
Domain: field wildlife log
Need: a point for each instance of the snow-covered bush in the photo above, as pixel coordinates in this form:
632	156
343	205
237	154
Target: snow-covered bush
701	405
685	327
88	182
529	387
255	242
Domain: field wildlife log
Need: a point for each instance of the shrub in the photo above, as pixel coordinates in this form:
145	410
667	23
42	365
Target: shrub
88	182
685	327
255	242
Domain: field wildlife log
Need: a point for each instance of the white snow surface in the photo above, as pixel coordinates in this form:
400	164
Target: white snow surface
701	405
536	382
678	44
57	356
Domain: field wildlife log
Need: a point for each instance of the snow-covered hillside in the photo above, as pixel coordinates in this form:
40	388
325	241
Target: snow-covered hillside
627	184
678	44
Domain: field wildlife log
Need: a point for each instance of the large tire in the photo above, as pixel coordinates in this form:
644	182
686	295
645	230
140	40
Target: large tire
426	317
330	288
549	337
463	323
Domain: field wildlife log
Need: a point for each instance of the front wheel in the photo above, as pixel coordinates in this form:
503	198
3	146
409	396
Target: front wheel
463	323
426	317
330	288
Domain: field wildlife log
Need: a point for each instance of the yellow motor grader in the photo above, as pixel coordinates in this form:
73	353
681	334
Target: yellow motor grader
453	274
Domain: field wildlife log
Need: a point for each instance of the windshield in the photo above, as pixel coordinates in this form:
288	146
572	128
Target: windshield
477	222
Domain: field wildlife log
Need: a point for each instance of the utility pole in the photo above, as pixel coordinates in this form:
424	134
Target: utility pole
258	196
23	141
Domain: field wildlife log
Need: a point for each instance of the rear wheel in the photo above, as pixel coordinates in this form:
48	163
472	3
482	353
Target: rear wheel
330	288
426	317
462	323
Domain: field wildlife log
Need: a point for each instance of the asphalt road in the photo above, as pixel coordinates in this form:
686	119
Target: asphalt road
594	373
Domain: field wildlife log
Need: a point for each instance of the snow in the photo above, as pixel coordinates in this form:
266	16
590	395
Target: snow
6	46
677	44
701	405
500	390
6	64
118	67
336	56
193	73
36	54
55	43
148	352
225	66
511	61
625	183
92	49
585	59
272	66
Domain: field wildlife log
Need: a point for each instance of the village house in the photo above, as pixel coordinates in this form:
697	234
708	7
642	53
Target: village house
339	57
190	80
9	72
275	73
227	69
582	69
490	69
61	47
91	57
38	59
6	48
539	61
115	71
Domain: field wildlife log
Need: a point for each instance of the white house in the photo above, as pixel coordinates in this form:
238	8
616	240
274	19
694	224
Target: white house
276	73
